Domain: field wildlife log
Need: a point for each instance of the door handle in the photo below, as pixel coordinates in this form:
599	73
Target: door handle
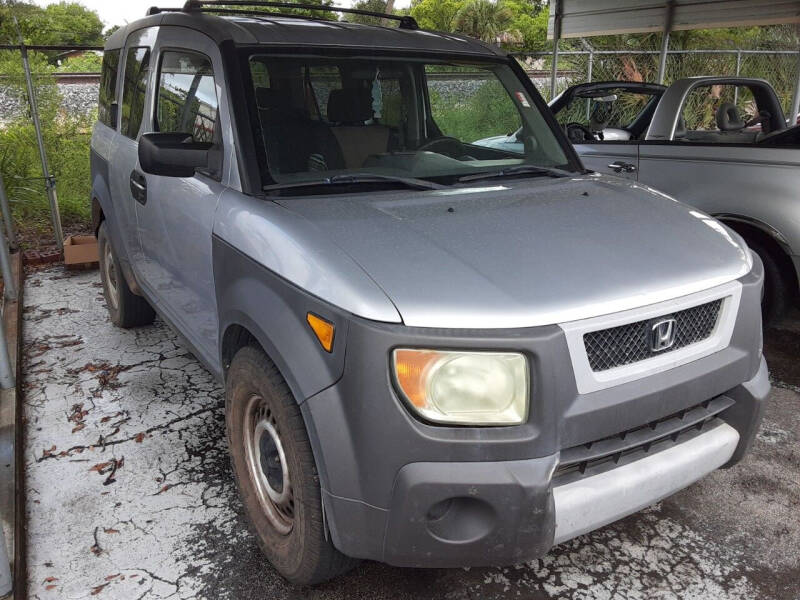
139	187
622	167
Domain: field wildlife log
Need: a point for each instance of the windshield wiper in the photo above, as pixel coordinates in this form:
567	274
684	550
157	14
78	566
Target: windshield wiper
357	178
516	171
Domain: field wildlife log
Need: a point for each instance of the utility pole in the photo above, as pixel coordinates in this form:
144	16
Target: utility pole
49	181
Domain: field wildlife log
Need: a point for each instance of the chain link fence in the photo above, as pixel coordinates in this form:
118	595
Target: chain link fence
779	68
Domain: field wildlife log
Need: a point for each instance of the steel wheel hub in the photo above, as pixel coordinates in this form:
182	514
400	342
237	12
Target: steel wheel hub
110	272
267	466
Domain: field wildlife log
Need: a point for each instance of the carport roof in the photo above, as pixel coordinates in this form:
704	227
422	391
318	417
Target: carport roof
586	18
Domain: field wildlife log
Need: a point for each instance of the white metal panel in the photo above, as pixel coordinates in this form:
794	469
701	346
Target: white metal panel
585	18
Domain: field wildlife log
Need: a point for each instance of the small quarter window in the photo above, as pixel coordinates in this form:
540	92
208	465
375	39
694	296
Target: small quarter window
108	86
137	69
187	96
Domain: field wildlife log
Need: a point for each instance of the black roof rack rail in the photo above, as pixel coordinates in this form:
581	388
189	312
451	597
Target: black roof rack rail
405	21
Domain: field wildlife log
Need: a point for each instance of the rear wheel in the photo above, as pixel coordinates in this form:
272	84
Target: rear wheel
275	471
125	308
776	292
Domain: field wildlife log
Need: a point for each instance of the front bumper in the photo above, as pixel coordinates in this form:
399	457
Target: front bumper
407	493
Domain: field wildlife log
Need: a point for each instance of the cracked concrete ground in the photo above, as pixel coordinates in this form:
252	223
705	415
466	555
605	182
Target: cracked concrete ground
130	493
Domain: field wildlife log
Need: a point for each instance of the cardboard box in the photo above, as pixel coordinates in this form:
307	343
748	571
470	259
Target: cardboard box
80	249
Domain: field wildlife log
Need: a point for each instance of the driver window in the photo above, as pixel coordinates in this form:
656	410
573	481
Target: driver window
471	105
603	115
187	96
722	114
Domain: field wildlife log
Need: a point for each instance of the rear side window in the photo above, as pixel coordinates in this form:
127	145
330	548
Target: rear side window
108	86
187	96
137	68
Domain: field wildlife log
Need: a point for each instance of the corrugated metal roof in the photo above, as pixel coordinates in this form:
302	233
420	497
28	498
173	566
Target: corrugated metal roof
586	18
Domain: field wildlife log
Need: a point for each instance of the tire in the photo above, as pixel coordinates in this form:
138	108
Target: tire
125	308
283	504
776	292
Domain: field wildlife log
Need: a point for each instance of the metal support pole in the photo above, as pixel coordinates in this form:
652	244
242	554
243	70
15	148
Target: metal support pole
554	71
12	237
9	287
556	36
589	80
6	582
738	72
662	59
49	181
795	106
6	371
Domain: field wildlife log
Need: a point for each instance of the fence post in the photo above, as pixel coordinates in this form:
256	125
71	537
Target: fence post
12	238
49	181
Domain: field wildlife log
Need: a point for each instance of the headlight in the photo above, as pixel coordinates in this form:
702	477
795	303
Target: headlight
474	388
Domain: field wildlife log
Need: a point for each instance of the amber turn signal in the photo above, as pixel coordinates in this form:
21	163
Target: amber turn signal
322	329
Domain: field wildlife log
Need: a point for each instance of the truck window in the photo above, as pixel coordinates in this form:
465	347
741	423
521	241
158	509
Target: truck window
187	96
137	68
108	86
470	103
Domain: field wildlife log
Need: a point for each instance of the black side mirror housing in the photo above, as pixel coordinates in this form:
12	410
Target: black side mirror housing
173	154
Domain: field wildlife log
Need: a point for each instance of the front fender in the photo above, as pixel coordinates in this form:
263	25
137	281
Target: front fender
269	308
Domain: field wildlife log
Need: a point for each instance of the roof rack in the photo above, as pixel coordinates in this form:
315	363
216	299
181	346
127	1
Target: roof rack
211	6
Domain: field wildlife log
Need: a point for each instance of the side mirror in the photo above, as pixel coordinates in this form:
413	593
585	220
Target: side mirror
173	154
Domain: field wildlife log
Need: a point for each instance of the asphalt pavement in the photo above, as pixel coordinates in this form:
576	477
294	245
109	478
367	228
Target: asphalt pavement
130	494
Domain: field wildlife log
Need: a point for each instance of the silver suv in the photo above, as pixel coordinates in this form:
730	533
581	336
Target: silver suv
435	353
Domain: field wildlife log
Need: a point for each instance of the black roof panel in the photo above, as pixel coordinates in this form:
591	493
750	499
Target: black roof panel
288	31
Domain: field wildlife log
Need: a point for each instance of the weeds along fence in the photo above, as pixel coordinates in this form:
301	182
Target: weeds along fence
778	67
66	106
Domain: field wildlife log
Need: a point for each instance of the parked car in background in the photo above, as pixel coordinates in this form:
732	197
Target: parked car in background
720	144
435	353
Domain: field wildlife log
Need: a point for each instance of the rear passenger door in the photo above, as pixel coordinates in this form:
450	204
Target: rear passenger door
175	215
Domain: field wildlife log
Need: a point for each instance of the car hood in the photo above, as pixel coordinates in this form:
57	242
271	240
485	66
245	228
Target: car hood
527	252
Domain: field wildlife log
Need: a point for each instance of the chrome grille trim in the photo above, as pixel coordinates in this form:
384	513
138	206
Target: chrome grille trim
626	344
587	380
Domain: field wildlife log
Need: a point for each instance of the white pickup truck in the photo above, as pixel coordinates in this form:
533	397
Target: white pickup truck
721	144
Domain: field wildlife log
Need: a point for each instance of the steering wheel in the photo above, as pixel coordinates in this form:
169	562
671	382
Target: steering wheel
578	133
451	146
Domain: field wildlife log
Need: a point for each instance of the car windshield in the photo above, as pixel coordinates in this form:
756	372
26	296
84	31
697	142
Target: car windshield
354	119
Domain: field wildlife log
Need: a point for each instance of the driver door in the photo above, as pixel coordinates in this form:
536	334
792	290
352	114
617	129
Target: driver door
615	158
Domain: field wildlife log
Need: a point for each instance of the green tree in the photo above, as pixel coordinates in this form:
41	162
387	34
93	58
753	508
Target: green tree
371	5
435	14
62	24
484	19
317	14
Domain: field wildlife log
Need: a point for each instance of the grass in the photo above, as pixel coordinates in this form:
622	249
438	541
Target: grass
66	140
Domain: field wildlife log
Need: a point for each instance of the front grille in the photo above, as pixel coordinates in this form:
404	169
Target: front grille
626	344
609	452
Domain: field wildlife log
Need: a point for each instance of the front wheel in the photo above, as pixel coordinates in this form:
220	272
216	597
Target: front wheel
125	308
275	472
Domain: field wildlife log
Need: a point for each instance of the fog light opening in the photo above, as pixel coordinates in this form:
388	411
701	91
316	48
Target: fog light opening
460	520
